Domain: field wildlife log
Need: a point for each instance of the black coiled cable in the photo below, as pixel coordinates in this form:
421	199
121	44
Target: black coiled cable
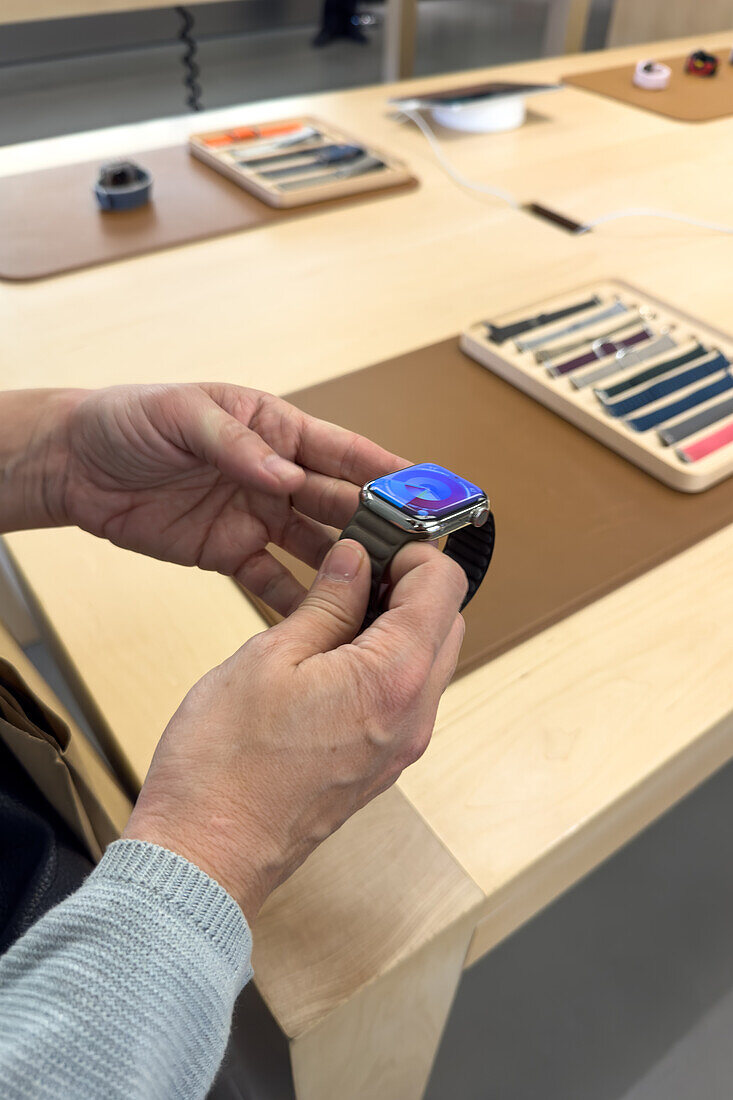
191	69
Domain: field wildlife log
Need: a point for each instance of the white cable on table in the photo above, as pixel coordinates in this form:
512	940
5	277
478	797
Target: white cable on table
650	212
456	176
507	197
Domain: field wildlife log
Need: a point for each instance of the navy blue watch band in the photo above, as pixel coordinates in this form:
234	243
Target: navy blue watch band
650	373
666	412
668	386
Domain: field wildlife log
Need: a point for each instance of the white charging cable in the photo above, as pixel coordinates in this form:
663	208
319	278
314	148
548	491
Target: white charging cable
455	175
668	215
511	200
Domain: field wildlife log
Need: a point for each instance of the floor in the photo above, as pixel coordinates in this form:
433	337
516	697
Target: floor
55	96
620	990
623	989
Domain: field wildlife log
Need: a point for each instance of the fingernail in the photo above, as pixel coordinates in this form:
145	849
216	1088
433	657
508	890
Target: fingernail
342	562
280	467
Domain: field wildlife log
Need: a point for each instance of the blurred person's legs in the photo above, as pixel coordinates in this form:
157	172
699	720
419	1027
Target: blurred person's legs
337	21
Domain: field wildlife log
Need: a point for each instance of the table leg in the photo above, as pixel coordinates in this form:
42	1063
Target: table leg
381	1044
566	25
399	39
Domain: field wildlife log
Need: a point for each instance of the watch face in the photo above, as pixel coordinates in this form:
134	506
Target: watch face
426	490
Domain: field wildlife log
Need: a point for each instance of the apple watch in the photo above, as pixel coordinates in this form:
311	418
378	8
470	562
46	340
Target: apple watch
123	185
423	502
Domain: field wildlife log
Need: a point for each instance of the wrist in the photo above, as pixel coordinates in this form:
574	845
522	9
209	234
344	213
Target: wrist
34	457
212	847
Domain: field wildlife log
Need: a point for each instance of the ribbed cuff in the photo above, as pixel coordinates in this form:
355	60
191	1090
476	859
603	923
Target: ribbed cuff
184	890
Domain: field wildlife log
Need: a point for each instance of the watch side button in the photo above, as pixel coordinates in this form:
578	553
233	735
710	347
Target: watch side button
479	518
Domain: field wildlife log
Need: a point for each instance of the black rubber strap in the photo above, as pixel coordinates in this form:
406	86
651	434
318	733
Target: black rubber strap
471	547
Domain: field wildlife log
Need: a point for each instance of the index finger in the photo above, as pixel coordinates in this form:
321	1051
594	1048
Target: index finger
428	590
337	452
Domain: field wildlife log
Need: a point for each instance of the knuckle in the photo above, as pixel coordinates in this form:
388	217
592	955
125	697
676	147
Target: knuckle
263	648
418	744
325	604
406	686
262	656
414	746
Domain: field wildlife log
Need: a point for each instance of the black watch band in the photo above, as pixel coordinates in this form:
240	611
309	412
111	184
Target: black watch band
471	547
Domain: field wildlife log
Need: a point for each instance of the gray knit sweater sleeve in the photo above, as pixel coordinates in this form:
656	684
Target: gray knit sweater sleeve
125	990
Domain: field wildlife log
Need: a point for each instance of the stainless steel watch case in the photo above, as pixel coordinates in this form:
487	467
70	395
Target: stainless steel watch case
427	527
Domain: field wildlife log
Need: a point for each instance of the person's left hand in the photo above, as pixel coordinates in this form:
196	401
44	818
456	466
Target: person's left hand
208	475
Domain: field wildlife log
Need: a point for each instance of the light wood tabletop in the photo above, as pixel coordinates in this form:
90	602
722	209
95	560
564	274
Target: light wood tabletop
543	761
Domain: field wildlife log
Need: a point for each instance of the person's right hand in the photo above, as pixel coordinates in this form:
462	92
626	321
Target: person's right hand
275	748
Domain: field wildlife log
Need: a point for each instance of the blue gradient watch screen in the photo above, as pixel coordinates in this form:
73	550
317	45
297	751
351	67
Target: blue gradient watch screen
426	490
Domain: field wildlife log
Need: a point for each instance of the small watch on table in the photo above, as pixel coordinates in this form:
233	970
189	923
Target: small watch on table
423	503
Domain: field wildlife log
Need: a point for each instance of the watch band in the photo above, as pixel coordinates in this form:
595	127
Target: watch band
362	167
701	63
310	160
624	360
708	445
695	423
599	350
667	386
583	341
691	401
533	342
650	373
653	76
123	185
499	333
471	547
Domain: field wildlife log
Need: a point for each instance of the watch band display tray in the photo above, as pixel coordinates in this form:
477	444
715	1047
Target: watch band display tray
50	222
645	379
284	176
688	98
573	519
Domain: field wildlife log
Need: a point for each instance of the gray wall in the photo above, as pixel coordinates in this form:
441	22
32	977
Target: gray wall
38	41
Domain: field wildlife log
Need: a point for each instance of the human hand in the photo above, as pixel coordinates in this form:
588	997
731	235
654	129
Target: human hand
275	748
208	475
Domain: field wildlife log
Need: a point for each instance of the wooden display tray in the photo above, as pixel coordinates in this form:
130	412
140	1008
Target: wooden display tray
223	151
50	221
687	98
583	407
573	519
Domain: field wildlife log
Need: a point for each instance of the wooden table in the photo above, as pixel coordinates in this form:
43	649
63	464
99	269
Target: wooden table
544	761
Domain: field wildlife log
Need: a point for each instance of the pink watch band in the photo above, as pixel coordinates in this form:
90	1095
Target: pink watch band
708	445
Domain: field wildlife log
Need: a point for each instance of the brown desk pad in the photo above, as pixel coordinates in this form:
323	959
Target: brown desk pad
573	519
687	98
50	222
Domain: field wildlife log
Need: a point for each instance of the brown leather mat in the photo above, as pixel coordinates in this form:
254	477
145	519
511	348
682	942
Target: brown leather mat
50	221
573	519
688	98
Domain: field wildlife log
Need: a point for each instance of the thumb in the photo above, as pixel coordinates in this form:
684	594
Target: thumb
334	609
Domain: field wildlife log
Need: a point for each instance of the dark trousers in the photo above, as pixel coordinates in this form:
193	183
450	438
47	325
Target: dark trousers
337	15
